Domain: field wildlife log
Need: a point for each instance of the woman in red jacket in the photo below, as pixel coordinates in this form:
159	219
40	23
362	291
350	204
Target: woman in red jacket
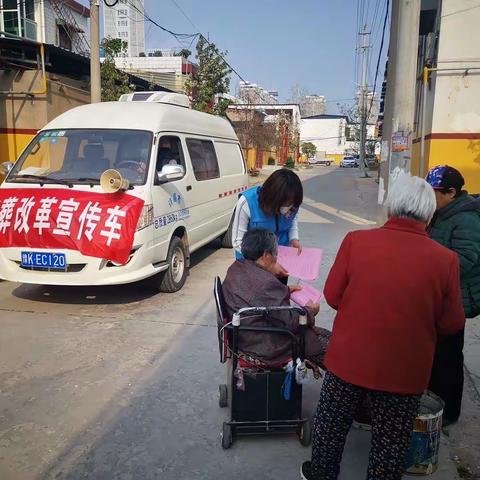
394	290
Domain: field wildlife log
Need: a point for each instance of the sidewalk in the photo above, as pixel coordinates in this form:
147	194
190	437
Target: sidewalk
464	437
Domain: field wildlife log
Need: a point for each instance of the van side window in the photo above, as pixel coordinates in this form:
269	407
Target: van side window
232	159
169	152
204	159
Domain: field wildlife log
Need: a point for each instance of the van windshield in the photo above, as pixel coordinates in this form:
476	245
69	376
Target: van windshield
81	156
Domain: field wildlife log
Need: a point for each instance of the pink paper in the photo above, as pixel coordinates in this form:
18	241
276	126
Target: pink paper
306	294
305	266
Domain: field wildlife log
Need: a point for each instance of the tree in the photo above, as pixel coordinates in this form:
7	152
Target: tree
184	52
157	53
252	130
309	103
211	79
297	94
309	149
114	82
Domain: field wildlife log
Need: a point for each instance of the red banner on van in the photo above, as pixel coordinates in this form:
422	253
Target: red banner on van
96	224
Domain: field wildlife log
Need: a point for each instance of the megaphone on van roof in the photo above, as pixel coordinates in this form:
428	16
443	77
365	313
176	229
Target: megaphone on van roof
112	181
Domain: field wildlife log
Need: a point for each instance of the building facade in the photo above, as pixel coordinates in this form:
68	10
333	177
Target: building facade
279	122
125	21
328	133
333	135
251	93
63	23
170	72
313	105
449	126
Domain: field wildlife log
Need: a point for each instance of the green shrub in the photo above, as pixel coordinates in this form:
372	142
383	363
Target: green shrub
290	163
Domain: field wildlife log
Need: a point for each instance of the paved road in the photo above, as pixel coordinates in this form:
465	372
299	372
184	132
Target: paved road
117	383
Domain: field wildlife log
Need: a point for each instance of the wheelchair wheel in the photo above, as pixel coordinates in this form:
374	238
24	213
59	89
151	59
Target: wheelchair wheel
227	438
305	433
223	396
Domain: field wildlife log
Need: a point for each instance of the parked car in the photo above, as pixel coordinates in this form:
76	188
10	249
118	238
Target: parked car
319	161
349	162
116	192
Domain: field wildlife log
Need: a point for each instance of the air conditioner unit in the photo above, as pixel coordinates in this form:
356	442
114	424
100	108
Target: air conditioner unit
157	97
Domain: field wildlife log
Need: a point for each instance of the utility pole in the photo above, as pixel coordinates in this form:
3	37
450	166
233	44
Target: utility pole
363	101
95	84
400	95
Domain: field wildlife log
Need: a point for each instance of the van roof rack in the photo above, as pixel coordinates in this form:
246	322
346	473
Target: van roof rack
157	97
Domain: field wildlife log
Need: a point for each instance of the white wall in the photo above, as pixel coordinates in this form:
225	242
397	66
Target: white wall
153	64
327	134
457	96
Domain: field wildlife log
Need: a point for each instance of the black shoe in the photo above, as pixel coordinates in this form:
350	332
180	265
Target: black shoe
306	471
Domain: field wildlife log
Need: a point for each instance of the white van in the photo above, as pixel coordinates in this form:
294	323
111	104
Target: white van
183	167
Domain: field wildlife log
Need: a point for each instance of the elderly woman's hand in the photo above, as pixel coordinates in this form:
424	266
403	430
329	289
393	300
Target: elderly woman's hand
278	270
313	307
294	288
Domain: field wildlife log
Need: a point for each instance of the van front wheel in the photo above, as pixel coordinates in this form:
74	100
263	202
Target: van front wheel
173	279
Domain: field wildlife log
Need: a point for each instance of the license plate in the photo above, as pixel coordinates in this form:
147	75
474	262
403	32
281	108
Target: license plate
52	261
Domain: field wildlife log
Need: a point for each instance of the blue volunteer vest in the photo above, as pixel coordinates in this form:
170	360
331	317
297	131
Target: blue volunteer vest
279	224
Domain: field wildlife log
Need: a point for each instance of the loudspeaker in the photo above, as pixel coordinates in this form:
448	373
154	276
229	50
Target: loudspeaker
112	181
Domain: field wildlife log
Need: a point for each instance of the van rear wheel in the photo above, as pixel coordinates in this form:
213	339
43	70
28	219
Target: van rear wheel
173	279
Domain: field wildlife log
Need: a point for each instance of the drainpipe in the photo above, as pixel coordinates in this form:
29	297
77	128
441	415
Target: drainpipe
424	117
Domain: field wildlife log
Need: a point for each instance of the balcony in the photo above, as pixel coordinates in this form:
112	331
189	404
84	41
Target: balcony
12	24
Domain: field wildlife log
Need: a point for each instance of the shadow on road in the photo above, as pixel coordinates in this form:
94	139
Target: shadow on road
102	295
344	189
167	426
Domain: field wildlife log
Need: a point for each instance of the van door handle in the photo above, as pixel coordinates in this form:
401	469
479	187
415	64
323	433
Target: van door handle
189	187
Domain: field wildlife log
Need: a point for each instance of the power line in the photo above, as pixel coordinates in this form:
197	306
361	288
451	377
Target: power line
379	25
184	36
375	16
182	11
149	19
379	58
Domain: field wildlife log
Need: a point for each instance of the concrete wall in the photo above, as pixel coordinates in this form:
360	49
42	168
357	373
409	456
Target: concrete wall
152	64
327	134
453	112
22	115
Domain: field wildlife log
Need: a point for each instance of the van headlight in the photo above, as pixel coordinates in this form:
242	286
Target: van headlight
146	217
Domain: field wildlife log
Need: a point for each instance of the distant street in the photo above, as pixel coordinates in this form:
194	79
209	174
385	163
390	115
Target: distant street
118	383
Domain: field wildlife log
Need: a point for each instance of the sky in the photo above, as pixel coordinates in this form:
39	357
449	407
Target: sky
279	43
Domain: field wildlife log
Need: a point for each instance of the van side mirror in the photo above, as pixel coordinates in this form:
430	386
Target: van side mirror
170	173
6	167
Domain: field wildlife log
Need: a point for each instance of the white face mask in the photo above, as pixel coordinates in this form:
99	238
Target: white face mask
286	210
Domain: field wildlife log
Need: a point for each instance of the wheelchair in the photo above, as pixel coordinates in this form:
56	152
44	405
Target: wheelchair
260	407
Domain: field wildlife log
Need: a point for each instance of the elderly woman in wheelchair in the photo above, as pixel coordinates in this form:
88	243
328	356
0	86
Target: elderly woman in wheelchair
261	336
251	282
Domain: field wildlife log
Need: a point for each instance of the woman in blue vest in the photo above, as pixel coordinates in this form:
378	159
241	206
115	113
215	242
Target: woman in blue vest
273	206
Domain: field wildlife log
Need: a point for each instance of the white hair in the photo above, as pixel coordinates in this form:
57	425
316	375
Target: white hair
411	197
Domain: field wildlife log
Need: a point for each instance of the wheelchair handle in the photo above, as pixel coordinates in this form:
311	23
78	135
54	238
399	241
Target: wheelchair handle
265	310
